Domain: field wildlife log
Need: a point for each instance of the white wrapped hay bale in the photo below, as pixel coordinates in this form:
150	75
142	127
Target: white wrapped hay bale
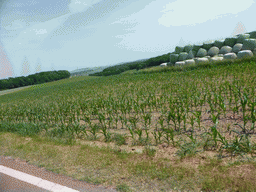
225	49
213	59
237	47
190	61
208	45
179	49
188	48
213	51
230	41
197	47
230	56
249	44
245	53
242	37
174	58
201	52
163	65
201	60
183	56
252	34
219	43
180	63
254	52
191	54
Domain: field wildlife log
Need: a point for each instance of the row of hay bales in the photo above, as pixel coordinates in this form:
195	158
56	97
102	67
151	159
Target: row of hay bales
233	47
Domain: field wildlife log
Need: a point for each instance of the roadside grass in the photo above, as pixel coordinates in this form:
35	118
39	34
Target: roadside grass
183	129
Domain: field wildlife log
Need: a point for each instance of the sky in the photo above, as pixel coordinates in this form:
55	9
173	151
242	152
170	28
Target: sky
46	35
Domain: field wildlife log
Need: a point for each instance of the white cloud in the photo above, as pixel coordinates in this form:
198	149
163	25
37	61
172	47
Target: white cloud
40	31
81	5
18	4
187	12
14	25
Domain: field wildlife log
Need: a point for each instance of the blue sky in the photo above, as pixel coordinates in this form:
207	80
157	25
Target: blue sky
73	34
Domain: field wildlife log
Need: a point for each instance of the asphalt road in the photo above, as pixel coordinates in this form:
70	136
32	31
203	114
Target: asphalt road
9	184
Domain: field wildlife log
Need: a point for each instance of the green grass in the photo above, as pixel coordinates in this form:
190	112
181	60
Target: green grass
181	128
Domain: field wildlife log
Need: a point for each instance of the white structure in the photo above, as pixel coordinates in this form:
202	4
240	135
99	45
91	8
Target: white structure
163	65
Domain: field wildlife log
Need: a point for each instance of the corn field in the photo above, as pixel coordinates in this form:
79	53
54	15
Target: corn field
212	103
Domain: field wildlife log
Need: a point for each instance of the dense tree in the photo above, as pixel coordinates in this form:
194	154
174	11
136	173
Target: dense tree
117	69
33	79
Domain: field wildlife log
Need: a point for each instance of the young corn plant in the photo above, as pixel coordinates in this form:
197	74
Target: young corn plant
110	120
171	116
103	126
157	135
180	112
198	115
252	105
184	117
247	146
147	122
222	105
169	135
131	131
94	129
214	133
244	101
192	121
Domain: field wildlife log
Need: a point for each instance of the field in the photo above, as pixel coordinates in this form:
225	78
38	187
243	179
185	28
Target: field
157	129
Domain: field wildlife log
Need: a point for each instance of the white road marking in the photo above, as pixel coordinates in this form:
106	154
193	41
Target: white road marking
47	185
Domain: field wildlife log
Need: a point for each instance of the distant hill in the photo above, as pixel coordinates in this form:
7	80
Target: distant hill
91	70
86	71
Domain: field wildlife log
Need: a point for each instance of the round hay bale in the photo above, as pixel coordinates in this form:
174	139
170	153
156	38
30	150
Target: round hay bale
179	49
216	59
242	37
201	52
174	58
163	65
213	51
183	56
237	47
196	48
191	54
254	52
230	56
190	61
188	48
245	53
179	63
201	60
249	44
219	43
225	50
253	35
230	41
208	45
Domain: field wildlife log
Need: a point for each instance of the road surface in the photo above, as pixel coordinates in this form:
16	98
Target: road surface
33	174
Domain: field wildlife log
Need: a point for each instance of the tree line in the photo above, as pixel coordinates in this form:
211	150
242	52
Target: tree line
37	78
117	69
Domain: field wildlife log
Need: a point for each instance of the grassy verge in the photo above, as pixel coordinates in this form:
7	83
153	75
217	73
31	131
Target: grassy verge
128	171
189	128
